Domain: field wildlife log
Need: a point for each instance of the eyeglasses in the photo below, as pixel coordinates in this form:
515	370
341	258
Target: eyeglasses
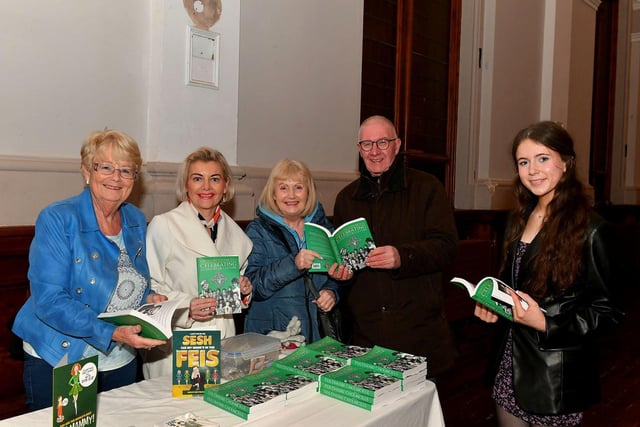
382	143
107	169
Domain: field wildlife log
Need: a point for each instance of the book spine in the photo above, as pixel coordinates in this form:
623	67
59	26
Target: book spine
349	393
344	398
228	404
346	385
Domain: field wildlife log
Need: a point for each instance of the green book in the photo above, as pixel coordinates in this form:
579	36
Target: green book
308	363
155	318
392	362
219	278
364	381
250	396
75	391
196	362
349	244
357	399
334	348
488	292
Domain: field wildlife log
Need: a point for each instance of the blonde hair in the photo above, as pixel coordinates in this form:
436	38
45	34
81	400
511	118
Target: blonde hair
204	154
288	169
123	147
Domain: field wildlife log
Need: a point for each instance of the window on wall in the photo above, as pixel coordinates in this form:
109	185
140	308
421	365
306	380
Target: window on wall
409	74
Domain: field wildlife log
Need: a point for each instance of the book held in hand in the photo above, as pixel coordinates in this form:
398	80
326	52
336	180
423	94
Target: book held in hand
348	245
154	318
75	390
219	278
196	362
492	293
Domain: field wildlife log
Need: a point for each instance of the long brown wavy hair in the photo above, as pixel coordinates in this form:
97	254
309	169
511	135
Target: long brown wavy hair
558	262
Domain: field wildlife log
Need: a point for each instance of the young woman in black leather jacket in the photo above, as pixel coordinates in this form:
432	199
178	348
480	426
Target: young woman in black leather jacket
558	256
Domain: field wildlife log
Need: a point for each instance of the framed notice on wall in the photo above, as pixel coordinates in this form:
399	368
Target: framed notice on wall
203	48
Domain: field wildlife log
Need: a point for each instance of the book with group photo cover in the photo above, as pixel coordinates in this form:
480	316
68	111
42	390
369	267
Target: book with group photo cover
492	293
367	382
348	245
196	362
219	278
75	391
154	318
392	362
310	363
337	350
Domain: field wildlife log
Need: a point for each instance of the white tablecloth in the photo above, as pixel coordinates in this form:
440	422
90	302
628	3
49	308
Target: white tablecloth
149	402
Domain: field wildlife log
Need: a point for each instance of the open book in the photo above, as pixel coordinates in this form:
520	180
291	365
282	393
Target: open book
349	245
492	293
155	319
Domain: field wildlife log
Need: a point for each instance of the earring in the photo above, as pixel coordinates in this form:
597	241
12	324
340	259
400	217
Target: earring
87	182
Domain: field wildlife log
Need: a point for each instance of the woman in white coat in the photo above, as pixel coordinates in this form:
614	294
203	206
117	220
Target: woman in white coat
196	228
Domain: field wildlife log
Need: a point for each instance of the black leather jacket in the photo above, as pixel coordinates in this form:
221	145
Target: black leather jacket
556	372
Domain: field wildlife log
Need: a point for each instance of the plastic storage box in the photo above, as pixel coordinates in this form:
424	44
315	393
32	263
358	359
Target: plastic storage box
247	353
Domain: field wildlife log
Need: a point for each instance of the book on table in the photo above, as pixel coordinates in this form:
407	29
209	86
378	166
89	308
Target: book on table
492	293
154	318
196	362
348	245
309	363
392	362
264	392
219	278
334	348
362	381
74	392
357	399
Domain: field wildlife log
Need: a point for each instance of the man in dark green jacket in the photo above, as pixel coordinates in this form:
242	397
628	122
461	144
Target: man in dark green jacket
397	302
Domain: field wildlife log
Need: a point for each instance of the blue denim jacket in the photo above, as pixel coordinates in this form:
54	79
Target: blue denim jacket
72	274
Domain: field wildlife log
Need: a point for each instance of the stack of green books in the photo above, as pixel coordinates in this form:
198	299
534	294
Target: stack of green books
411	369
334	348
360	387
310	363
259	394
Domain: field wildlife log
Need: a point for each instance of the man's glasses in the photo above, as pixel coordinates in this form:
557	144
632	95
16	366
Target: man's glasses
107	169
382	143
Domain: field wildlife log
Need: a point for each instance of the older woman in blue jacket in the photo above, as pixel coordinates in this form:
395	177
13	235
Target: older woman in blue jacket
87	256
280	260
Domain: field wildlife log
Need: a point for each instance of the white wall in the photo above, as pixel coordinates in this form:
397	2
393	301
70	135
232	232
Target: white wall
298	95
70	67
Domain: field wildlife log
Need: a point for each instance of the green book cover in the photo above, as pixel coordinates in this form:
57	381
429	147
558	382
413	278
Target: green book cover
309	363
75	391
335	393
487	293
334	348
391	362
154	318
363	381
349	244
355	398
196	362
219	278
251	395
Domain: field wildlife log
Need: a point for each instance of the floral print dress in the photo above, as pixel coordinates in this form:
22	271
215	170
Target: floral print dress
503	392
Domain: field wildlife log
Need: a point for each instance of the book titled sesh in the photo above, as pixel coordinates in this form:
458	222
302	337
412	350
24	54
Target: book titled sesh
348	245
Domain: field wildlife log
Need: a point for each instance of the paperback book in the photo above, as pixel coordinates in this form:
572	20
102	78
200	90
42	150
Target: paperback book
391	362
309	363
363	381
337	350
260	393
219	278
348	245
75	390
492	293
196	362
155	318
357	399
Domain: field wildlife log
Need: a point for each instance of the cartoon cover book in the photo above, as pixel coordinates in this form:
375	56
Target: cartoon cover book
196	362
349	244
219	278
75	391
